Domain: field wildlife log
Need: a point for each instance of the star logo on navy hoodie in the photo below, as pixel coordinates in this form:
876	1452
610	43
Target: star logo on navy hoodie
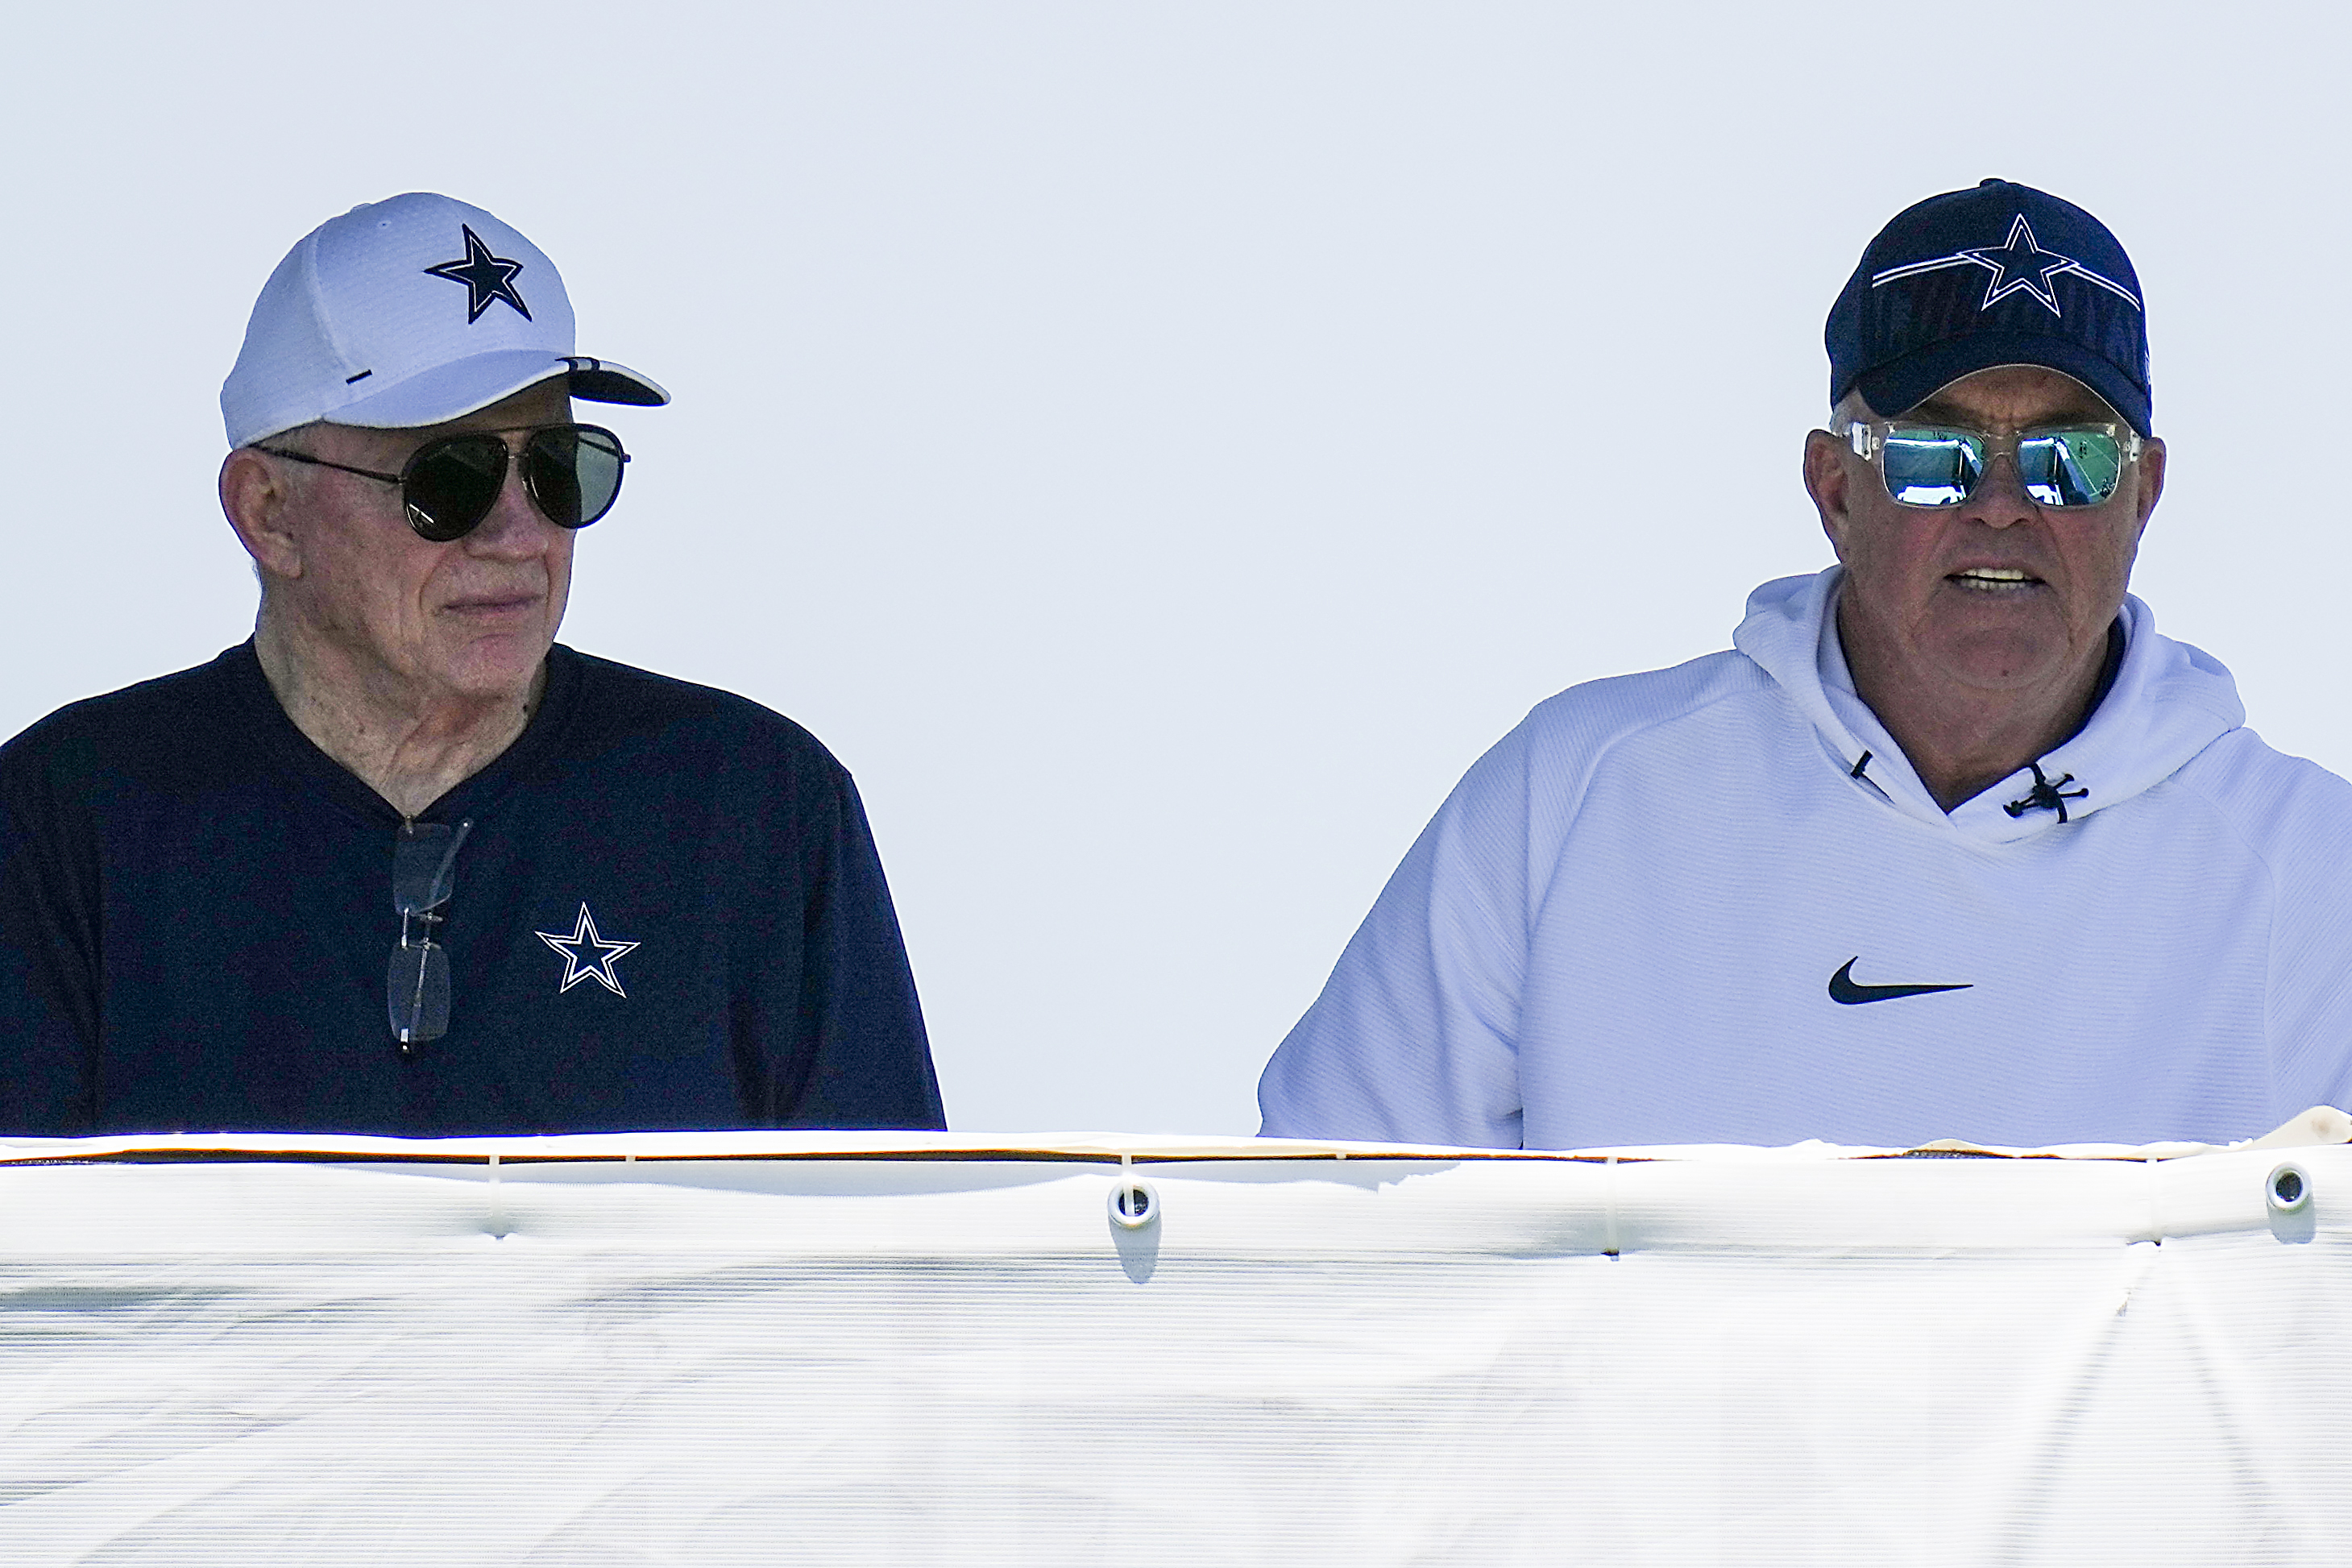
588	954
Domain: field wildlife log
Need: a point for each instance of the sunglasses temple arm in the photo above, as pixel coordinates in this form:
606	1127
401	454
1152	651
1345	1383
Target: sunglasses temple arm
448	859
416	997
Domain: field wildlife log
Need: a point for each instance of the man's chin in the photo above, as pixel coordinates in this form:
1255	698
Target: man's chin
497	665
2012	663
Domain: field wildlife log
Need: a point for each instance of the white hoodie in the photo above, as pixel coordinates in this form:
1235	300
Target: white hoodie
1634	919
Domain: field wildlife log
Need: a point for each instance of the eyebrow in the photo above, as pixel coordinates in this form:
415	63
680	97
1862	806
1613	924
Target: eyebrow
2082	407
2092	412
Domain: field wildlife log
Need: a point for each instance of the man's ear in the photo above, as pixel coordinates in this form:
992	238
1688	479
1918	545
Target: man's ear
2151	478
259	503
1828	479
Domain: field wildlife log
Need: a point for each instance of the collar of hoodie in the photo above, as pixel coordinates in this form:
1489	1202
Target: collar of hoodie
2169	702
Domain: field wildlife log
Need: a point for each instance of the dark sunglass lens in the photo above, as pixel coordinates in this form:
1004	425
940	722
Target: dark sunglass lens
1927	467
574	473
2070	468
550	469
416	992
450	486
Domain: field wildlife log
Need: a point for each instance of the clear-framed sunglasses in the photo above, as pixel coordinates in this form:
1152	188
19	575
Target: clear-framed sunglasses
1941	465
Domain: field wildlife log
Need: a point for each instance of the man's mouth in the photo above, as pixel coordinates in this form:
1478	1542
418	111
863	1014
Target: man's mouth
1995	579
492	605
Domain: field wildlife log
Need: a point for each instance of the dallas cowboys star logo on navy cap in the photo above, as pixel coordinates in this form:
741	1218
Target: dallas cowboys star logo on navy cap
2018	263
488	278
2057	291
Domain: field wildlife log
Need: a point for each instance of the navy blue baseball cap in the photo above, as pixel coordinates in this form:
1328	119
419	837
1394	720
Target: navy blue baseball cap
2003	274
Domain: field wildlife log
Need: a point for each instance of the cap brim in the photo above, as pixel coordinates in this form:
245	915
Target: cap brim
453	390
1902	385
601	381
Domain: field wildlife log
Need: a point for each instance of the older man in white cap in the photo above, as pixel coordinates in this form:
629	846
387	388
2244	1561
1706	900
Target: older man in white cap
401	863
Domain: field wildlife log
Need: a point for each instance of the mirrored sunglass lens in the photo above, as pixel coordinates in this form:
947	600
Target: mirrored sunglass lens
1927	467
2070	468
451	485
416	992
574	473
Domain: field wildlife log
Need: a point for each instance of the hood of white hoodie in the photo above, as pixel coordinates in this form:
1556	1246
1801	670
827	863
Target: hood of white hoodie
2169	702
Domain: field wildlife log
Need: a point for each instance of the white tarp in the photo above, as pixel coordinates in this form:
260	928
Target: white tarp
899	1350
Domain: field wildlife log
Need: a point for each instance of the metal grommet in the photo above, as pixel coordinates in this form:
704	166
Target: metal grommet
1134	1204
2288	1190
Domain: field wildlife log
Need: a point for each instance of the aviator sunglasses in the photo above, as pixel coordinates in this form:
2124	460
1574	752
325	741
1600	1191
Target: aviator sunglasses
572	472
1941	465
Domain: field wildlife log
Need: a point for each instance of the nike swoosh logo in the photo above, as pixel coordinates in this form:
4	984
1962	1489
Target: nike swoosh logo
1847	993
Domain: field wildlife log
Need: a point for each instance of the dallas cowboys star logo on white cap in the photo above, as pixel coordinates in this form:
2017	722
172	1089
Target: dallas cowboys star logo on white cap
576	948
488	278
2017	265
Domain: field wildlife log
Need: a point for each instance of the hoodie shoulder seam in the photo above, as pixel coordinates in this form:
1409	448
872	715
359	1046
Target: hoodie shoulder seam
1639	724
1698	703
1761	682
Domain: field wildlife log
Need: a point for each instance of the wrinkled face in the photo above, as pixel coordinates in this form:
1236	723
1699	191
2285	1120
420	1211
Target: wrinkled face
1996	593
472	618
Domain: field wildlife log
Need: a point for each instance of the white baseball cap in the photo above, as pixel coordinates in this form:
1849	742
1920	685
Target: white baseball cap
409	311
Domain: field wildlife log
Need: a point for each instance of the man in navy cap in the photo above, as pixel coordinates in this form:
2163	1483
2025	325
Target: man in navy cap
1954	842
401	863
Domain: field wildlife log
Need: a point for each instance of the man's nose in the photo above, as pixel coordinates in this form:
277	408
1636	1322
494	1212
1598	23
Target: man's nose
1999	498
514	526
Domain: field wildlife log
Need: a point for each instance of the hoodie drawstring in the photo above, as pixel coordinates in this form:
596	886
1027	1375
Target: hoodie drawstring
2047	794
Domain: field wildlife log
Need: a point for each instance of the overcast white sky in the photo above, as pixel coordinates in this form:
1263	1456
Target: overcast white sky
1158	447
